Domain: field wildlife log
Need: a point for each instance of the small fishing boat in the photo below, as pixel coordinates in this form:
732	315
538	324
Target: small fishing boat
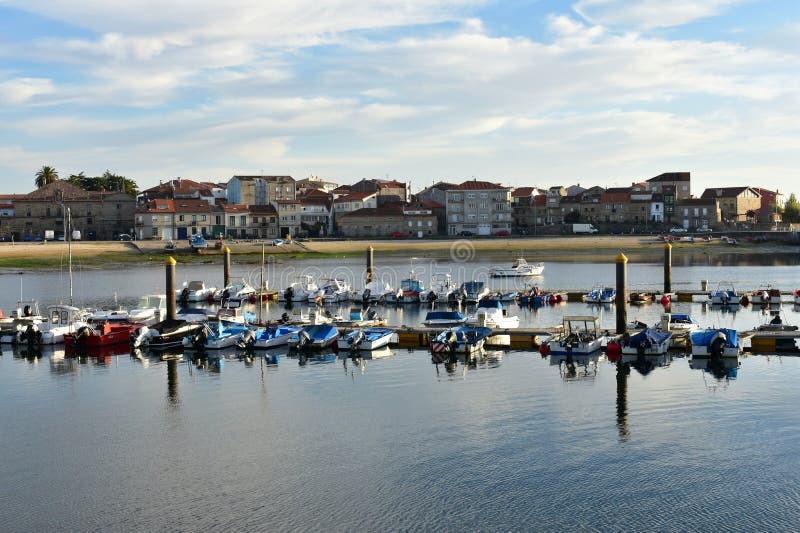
601	295
579	335
313	337
25	314
537	297
776	323
98	335
444	318
649	341
374	291
492	314
678	322
714	342
150	309
299	291
360	317
473	291
442	290
273	336
163	335
726	295
520	267
333	290
640	298
313	316
115	316
235	292
196	291
765	295
459	339
61	320
214	336
197	242
367	339
410	291
502	296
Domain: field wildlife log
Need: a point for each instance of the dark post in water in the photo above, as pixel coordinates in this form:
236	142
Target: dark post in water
370	263
622	283
226	267
667	268
170	281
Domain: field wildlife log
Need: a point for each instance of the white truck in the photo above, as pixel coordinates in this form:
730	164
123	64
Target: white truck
584	228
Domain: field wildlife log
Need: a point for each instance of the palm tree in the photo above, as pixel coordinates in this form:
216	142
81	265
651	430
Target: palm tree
45	175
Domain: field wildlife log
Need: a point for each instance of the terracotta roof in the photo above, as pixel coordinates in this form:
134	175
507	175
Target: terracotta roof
355	196
287	202
6	206
187	205
521	192
432	205
540	200
671	176
474	185
262	210
236	208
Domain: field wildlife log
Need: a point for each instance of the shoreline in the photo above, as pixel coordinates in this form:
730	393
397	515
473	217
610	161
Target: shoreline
603	249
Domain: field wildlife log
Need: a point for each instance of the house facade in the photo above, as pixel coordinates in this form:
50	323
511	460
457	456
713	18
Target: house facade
260	190
479	207
736	204
389	221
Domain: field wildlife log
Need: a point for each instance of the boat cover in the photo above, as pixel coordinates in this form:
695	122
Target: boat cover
704	337
648	336
444	315
490	304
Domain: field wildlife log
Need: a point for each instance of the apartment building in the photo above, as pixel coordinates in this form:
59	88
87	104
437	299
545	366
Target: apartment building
479	207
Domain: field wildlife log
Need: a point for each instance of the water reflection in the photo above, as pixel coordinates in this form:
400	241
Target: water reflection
577	367
723	369
644	364
623	371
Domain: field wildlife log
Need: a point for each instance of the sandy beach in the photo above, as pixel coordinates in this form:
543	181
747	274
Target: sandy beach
570	248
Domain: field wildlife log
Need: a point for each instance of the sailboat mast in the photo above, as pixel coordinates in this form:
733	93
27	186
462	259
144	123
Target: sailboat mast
68	235
261	292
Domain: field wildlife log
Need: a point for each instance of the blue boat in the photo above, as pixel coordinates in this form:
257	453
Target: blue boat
367	339
473	291
215	336
714	342
605	295
274	336
459	339
647	342
444	318
313	337
197	242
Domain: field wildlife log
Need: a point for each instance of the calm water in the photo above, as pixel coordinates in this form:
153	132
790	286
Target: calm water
510	443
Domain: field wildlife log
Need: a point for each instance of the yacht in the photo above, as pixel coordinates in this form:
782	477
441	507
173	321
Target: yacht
492	314
333	290
442	290
520	267
299	291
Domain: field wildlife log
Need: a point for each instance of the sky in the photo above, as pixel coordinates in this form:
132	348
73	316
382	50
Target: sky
521	92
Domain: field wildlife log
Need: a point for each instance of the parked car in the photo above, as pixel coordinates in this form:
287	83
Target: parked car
278	242
677	229
399	235
502	233
124	237
466	233
704	229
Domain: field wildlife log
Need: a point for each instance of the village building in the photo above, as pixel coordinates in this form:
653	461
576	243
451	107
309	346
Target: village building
391	220
479	208
736	204
260	190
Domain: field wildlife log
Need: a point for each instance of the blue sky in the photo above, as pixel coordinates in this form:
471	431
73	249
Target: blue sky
523	92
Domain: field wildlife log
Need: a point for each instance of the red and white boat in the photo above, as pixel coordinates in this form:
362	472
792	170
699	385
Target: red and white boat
105	334
796	297
765	295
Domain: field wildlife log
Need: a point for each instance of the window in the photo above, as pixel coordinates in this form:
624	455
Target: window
155	219
218	220
231	220
242	220
484	195
180	218
194	218
470	196
48	211
293	218
155	232
203	218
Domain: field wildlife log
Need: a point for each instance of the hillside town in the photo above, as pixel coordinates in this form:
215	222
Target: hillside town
271	207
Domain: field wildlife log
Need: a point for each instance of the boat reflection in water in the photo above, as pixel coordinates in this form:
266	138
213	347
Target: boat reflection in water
577	367
644	364
722	368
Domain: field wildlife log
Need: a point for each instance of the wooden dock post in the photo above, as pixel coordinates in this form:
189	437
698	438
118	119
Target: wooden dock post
370	264
172	379
667	268
170	284
622	289
226	267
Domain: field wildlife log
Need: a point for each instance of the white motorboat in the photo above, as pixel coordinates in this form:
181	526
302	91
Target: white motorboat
314	337
273	336
678	323
649	341
25	314
579	335
601	295
236	292
765	295
61	319
726	295
520	267
313	316
215	336
196	291
374	291
299	291
367	339
442	289
333	290
150	309
492	314
458	339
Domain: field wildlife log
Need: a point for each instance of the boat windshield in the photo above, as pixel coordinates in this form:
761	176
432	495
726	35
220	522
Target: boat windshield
150	301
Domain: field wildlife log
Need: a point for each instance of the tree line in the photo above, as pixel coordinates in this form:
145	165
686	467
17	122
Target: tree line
107	182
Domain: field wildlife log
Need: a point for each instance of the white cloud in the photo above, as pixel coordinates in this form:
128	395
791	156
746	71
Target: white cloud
649	13
24	90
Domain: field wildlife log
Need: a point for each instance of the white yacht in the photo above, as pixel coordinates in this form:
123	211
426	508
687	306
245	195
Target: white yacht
150	309
520	267
333	290
196	291
61	319
299	291
492	314
442	290
235	291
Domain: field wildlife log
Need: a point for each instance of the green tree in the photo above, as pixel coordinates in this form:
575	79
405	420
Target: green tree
45	175
115	182
791	211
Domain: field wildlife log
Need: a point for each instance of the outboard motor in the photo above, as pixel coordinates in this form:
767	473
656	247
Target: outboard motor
247	340
184	296
717	345
372	314
451	340
303	340
358	338
365	295
285	318
30	335
199	340
288	294
79	339
432	297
